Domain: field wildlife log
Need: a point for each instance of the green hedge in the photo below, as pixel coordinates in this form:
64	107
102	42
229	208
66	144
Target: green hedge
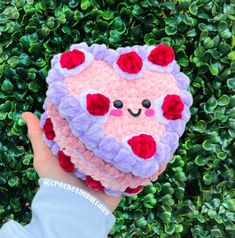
194	197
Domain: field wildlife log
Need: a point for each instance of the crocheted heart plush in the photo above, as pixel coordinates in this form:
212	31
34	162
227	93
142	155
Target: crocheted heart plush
114	117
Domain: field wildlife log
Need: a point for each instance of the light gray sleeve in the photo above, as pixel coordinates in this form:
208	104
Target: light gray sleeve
62	210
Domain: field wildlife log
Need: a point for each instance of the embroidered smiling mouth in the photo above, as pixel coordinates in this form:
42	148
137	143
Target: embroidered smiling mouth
134	114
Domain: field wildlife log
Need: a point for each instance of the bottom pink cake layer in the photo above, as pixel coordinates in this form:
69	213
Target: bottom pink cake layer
88	163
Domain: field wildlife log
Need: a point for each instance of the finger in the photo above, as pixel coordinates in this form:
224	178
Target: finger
40	149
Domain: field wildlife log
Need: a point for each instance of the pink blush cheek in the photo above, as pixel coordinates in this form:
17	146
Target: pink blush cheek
149	112
116	112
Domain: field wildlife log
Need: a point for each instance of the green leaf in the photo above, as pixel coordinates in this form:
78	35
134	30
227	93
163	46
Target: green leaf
214	69
224	48
78	15
184	4
137	10
229	203
201	160
231	55
170	30
6	106
125	14
220	17
191	33
200	126
170	229
85	4
231	83
2	181
193	8
170	5
226	34
141	222
207	177
232	123
31	174
199	51
222	25
165	217
33	86
208	43
73	3
216	232
228	9
171	21
7	85
24	59
13	181
11	12
222	155
208	145
223	100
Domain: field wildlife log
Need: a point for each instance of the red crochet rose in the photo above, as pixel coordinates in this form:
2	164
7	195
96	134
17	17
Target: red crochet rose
94	184
143	145
130	62
162	55
65	161
48	129
97	104
133	190
172	107
71	59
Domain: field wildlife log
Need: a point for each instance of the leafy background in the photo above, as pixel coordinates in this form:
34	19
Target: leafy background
194	197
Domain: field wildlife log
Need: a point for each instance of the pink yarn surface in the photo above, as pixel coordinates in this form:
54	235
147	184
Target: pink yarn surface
88	163
151	86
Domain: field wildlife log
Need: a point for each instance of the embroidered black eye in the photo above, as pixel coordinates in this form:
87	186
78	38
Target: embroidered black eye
118	104
146	103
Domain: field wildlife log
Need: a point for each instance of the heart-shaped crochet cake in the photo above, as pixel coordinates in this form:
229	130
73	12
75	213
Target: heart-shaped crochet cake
114	117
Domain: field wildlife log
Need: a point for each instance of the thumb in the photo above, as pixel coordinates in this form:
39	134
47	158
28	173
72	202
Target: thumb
35	134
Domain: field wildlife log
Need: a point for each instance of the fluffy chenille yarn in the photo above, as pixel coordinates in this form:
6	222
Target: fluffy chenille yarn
114	117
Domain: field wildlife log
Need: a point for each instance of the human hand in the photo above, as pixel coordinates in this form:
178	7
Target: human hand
46	164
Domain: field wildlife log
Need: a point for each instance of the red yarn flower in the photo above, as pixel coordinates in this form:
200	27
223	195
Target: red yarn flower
65	161
94	184
133	190
172	107
130	62
48	129
97	104
71	59
143	145
162	55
